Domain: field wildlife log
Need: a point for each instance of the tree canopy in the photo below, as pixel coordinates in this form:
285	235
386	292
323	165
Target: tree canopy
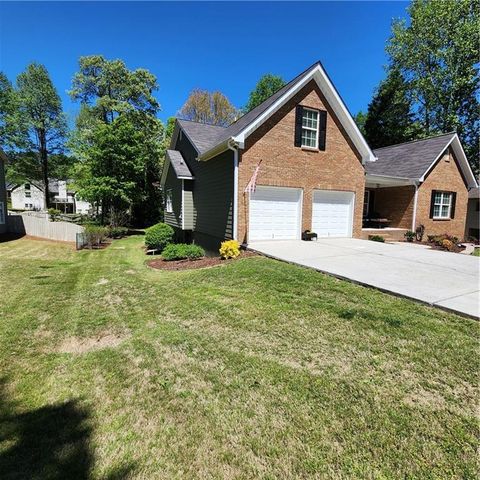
212	108
437	54
389	119
118	140
266	87
108	88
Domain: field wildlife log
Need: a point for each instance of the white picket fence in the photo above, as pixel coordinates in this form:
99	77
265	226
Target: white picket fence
38	224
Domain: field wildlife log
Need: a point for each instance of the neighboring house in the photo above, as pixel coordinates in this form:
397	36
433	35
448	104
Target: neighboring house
298	162
302	150
30	196
423	182
3	195
473	215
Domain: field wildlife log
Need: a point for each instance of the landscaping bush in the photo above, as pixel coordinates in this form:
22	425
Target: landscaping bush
448	245
95	234
229	249
376	238
182	251
116	232
159	236
438	239
409	236
53	213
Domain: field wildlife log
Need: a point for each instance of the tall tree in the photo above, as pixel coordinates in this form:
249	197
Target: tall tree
437	53
118	164
266	87
118	139
40	110
212	108
389	119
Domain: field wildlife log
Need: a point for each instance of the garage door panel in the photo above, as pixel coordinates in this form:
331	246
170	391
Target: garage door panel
332	213
275	213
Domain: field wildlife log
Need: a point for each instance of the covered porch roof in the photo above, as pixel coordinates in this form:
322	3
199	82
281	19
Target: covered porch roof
381	181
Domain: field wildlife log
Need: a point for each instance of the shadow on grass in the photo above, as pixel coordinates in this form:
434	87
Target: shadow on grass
48	443
10	237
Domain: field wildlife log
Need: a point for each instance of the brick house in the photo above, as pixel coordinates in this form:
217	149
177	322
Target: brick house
423	182
296	162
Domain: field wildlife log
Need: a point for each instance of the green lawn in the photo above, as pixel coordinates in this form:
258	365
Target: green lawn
476	252
256	369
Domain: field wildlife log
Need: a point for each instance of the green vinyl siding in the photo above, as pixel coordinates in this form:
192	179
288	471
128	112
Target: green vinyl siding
173	186
188	208
212	191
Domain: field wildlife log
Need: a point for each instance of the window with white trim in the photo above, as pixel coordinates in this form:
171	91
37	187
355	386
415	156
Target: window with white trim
2	213
309	128
442	204
168	202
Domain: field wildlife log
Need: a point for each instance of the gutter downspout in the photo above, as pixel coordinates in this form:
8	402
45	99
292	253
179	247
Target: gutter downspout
415	198
232	145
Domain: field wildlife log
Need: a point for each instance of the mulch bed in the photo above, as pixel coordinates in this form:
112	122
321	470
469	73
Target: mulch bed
204	262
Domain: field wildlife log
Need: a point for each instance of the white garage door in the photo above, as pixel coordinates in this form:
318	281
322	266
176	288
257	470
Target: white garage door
275	213
332	213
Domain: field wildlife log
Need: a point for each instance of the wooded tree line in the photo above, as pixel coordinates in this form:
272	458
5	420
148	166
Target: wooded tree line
432	78
114	153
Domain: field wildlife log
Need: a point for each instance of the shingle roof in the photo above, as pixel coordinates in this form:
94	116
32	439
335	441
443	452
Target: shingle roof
410	159
206	137
202	135
178	163
474	193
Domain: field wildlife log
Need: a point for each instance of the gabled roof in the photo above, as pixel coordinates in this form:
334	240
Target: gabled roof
211	140
415	159
201	135
180	167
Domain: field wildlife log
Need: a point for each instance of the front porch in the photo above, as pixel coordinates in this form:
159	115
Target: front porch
389	207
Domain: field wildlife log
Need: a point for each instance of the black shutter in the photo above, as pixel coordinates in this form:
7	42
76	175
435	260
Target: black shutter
452	208
432	201
322	130
298	126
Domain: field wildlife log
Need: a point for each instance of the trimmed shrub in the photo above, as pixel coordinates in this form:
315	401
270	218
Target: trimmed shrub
182	251
229	249
53	213
438	239
159	236
95	234
448	244
376	238
116	232
409	236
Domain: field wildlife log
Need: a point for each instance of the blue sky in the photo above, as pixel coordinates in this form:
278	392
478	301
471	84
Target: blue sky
219	45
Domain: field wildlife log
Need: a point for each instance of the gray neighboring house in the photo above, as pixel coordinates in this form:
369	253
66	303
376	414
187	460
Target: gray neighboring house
3	195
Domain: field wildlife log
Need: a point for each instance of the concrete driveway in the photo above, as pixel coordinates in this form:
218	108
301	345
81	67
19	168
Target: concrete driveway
443	279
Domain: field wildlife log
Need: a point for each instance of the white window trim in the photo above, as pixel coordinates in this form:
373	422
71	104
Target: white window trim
442	204
168	201
305	109
2	213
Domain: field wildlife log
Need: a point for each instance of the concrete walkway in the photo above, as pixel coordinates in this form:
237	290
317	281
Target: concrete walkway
446	280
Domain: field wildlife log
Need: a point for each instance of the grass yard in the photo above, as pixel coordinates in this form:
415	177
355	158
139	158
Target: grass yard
257	369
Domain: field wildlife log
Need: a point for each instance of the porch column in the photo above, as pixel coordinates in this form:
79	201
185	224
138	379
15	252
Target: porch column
414	217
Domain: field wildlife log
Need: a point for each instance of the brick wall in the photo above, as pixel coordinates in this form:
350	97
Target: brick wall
337	168
396	204
445	176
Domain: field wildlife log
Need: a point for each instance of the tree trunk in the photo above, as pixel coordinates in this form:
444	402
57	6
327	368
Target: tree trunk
44	162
